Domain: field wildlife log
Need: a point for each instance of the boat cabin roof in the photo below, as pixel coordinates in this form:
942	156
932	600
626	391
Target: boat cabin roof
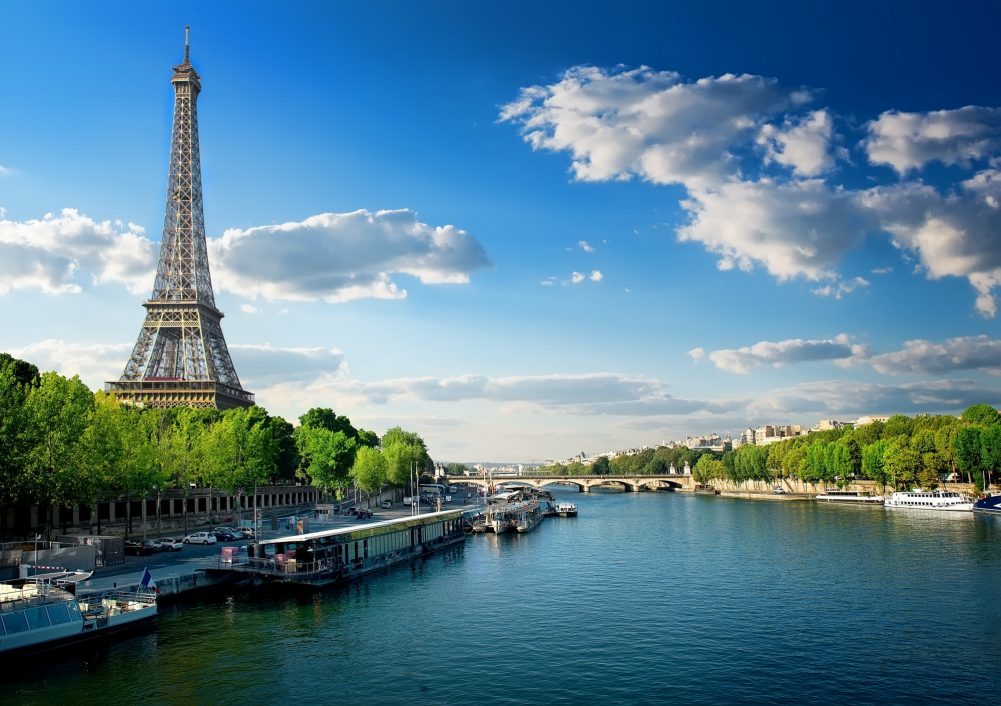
368	529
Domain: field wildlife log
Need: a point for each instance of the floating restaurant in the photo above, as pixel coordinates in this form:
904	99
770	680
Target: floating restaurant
336	555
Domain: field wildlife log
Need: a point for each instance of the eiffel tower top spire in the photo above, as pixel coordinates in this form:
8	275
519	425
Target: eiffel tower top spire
183	272
181	357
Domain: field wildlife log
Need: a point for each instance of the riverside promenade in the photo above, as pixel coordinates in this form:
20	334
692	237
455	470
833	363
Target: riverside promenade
183	571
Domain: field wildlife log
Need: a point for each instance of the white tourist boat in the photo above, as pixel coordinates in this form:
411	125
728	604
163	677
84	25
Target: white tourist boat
565	509
36	615
941	500
857	497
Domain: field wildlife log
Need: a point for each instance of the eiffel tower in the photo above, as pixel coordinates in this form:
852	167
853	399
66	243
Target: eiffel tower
181	358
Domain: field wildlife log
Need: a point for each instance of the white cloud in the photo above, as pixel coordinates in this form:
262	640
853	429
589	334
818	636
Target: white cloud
908	141
697	354
954	235
50	254
264	365
95	363
651	124
848	398
840	288
881	270
259	366
803	144
779	353
248	308
595	276
585	246
795	229
929	357
338	257
5	171
576	278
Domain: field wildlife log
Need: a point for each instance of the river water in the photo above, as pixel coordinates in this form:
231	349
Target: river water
644	598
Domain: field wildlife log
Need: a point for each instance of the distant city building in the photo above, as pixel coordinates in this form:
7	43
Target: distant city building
862	421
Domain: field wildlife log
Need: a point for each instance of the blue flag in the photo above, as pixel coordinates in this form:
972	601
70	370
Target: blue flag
147	580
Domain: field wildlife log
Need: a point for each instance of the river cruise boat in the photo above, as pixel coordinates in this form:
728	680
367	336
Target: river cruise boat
940	500
991	505
702	489
855	497
37	615
565	509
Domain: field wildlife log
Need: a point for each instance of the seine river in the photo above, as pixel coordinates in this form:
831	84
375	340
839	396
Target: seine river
644	598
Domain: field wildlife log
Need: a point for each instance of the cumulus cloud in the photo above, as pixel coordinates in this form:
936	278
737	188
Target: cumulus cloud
258	365
778	353
55	253
248	308
929	357
264	365
596	276
585	246
803	144
95	363
799	228
841	288
650	124
907	141
849	398
953	235
697	354
338	257
576	277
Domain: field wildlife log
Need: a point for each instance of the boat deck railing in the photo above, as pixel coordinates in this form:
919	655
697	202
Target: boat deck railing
290	567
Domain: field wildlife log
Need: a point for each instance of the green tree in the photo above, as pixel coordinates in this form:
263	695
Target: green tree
369	469
15	383
902	463
898	425
600	466
990	453
708	469
405	454
872	462
982	414
967	449
57	410
327	456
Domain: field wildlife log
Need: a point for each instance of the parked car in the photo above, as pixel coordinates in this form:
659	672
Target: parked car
171	544
226	528
152	546
200	538
225	536
246	532
386	504
137	548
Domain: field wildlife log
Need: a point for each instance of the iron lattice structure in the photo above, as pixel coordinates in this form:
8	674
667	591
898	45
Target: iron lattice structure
181	358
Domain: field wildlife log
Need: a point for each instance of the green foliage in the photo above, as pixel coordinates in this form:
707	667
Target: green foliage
405	453
873	466
982	414
456	469
600	466
369	470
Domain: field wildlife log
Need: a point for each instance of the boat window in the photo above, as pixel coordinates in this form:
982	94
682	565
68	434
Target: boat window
37	618
15	622
58	613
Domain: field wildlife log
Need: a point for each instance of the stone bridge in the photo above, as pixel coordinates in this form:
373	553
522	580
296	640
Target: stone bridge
632	483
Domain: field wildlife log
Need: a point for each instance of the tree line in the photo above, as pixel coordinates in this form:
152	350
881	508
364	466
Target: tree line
61	444
901	452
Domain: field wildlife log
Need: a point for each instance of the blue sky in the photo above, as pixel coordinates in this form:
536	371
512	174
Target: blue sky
528	229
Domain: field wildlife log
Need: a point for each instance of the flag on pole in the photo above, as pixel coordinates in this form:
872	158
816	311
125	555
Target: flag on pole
147	581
